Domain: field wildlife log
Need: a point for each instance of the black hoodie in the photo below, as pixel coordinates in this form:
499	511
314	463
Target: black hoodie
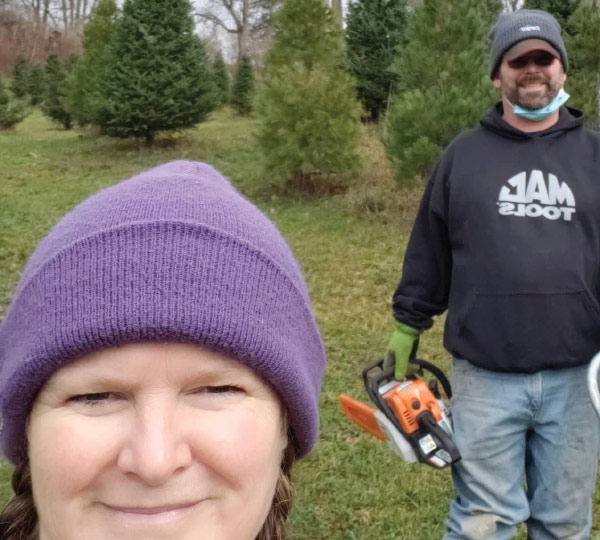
507	238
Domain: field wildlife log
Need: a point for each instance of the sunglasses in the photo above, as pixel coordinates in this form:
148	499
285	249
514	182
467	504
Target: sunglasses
542	59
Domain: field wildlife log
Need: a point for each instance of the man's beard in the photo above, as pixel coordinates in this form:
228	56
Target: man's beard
517	95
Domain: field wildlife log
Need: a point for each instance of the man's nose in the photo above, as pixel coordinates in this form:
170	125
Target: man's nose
531	64
154	449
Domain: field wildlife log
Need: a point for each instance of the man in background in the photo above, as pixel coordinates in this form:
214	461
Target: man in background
507	239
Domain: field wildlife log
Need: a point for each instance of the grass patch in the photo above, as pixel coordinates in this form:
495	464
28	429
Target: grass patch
350	246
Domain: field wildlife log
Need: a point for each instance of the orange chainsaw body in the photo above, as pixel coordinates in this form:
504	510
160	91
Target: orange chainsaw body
408	400
411	415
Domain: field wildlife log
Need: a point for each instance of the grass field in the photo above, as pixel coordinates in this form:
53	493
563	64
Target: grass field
350	246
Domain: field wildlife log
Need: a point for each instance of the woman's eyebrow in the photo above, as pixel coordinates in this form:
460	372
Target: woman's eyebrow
88	380
99	378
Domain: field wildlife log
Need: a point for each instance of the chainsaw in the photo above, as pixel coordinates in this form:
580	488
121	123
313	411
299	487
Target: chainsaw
411	415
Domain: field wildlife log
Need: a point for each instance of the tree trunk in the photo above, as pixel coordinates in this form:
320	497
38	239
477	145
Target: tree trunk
243	35
512	5
64	13
241	39
46	13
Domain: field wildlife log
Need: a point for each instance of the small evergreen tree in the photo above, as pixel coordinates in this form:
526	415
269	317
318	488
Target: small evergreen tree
307	104
583	44
36	85
242	91
54	104
158	76
221	78
20	77
11	112
83	92
374	30
443	81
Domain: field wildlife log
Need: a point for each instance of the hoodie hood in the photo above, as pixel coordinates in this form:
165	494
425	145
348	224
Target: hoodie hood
569	118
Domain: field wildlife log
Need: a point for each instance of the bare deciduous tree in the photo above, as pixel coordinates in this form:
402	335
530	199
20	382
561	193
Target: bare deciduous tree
244	19
32	29
512	5
64	15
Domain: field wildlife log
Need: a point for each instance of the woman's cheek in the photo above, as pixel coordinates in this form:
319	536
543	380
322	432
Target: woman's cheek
242	443
75	448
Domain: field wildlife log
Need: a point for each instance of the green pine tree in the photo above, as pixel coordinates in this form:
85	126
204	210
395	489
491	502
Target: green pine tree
221	79
158	77
307	104
11	111
36	85
242	91
583	44
306	32
83	93
561	9
54	104
374	30
443	81
20	77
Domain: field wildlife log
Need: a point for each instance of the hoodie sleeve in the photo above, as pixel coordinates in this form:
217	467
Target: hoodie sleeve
426	272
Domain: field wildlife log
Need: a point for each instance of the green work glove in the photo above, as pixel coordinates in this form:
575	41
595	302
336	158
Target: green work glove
402	346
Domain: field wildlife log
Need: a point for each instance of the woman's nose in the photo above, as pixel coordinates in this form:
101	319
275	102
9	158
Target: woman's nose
154	449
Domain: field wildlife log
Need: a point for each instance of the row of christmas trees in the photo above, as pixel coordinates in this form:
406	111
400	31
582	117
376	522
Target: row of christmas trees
144	71
86	90
63	88
425	68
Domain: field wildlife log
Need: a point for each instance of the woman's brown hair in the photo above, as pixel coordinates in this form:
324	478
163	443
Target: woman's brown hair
274	526
19	521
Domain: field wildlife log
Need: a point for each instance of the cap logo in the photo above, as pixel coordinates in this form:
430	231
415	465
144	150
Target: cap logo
529	28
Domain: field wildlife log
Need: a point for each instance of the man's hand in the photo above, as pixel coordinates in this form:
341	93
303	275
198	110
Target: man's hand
402	346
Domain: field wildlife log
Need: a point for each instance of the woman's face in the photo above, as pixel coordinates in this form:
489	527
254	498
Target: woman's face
154	441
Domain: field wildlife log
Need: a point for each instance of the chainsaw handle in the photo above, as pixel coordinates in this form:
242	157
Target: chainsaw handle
592	382
387	374
437	372
368	374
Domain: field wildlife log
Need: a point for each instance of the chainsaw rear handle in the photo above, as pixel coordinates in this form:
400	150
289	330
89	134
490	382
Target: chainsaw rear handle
592	382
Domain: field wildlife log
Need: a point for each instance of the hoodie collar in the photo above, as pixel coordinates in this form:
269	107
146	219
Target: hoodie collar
569	118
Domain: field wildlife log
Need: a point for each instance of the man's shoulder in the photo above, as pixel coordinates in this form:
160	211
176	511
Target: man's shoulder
468	137
466	141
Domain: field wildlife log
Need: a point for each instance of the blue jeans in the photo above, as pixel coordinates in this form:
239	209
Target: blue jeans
511	427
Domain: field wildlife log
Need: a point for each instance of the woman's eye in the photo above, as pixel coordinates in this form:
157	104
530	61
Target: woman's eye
224	389
91	399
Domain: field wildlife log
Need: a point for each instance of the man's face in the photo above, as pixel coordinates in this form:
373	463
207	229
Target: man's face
532	80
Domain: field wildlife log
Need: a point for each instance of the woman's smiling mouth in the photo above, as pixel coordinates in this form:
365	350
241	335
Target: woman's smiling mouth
152	514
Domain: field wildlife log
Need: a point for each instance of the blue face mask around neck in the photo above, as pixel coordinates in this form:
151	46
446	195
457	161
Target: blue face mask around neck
540	114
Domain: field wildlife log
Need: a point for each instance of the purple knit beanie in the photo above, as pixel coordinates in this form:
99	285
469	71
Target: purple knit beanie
172	254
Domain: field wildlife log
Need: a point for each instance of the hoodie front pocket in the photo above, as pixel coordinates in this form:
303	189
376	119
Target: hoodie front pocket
529	331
